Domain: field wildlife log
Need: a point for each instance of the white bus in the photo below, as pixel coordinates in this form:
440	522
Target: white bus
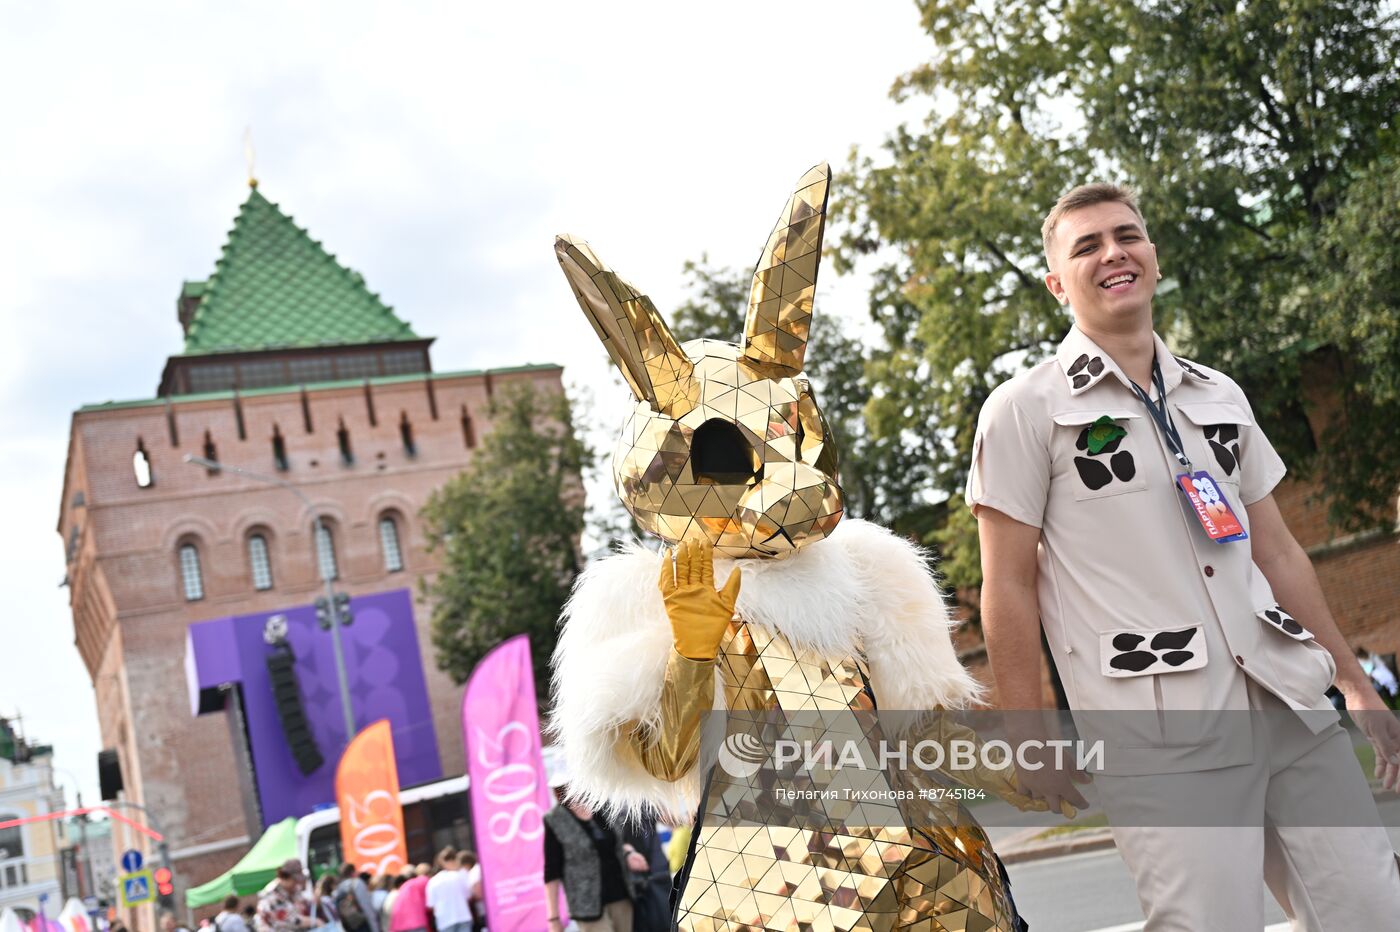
435	815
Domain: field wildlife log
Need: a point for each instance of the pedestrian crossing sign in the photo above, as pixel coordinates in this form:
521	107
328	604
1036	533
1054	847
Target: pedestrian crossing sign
136	888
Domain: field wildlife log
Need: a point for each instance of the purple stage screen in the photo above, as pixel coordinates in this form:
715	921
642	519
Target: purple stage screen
385	671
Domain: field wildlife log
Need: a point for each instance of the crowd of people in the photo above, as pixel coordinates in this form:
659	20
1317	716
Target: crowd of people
445	897
631	865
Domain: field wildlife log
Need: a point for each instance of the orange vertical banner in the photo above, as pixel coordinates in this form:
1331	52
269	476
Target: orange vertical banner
367	790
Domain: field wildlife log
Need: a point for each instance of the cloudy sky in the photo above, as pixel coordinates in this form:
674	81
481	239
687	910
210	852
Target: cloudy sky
436	147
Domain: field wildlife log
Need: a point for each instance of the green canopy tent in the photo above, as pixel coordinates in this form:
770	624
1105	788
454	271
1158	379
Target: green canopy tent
252	873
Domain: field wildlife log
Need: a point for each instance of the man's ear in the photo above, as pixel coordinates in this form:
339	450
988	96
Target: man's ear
1052	281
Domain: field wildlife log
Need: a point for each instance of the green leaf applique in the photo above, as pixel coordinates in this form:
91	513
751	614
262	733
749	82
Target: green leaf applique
1103	432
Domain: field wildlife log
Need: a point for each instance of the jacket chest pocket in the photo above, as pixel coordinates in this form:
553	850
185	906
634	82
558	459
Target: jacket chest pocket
1217	434
1100	452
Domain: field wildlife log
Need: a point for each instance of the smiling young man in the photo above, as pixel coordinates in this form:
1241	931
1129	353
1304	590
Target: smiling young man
1123	502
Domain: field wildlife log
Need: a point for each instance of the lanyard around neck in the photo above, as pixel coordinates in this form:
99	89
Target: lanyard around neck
1162	416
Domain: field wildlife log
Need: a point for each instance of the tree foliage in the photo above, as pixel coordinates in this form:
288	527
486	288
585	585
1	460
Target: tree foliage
508	528
1260	136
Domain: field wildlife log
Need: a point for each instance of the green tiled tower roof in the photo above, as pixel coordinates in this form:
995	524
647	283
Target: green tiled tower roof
275	287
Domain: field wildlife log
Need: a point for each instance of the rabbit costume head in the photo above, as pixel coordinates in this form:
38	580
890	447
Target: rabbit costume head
726	442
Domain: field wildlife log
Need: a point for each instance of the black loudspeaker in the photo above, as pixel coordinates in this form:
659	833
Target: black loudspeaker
109	773
281	670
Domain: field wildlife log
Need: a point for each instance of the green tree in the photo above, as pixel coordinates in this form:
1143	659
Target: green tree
508	528
1260	136
835	366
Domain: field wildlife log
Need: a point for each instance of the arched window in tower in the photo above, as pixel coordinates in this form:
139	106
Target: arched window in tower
279	451
191	577
342	437
325	551
389	543
406	435
468	430
141	466
259	561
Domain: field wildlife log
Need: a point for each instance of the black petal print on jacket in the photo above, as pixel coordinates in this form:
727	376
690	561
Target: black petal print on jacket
1093	473
1224	441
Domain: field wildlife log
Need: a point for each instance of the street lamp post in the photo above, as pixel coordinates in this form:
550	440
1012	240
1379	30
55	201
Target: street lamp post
318	529
85	865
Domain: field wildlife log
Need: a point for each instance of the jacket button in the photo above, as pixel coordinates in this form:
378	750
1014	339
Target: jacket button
1210	571
1239	660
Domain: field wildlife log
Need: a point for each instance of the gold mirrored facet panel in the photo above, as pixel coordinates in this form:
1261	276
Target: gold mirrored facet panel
750	465
784	283
819	859
726	442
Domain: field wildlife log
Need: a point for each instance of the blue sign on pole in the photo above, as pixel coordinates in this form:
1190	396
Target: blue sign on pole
132	860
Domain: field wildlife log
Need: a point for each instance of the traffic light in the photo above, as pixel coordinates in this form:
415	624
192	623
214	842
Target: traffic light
165	887
339	609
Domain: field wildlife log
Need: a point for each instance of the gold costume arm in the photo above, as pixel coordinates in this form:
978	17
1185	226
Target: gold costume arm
942	727
669	750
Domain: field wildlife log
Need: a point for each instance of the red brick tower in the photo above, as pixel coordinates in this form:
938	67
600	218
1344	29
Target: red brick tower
291	367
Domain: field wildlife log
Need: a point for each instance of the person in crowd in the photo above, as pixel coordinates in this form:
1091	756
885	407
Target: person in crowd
386	910
449	894
1382	677
379	889
651	887
584	857
323	906
353	903
282	908
229	919
168	923
477	900
410	912
250	916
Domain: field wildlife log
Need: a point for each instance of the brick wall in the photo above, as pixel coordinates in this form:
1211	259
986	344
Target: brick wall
1360	573
130	613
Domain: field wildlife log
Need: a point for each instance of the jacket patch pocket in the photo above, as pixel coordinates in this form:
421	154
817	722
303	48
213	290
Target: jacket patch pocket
1104	462
1305	669
1134	652
1221	425
1280	620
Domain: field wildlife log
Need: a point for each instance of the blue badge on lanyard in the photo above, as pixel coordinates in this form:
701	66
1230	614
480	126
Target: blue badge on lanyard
1203	494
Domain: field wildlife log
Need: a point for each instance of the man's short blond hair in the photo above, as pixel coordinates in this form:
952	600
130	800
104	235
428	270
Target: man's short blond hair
1087	195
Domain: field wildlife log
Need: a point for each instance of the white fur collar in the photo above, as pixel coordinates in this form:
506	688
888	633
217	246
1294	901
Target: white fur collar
863	591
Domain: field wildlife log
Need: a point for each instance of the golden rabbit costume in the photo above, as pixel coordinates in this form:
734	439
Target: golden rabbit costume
727	454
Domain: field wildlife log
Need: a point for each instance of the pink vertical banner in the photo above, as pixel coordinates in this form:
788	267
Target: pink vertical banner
509	791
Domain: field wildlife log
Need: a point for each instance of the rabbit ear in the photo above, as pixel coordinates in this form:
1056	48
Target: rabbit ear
785	282
637	339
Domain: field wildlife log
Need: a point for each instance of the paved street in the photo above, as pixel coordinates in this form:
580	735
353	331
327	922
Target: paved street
1083	892
1092	892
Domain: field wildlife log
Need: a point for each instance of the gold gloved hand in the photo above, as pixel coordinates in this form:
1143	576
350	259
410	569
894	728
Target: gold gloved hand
698	612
